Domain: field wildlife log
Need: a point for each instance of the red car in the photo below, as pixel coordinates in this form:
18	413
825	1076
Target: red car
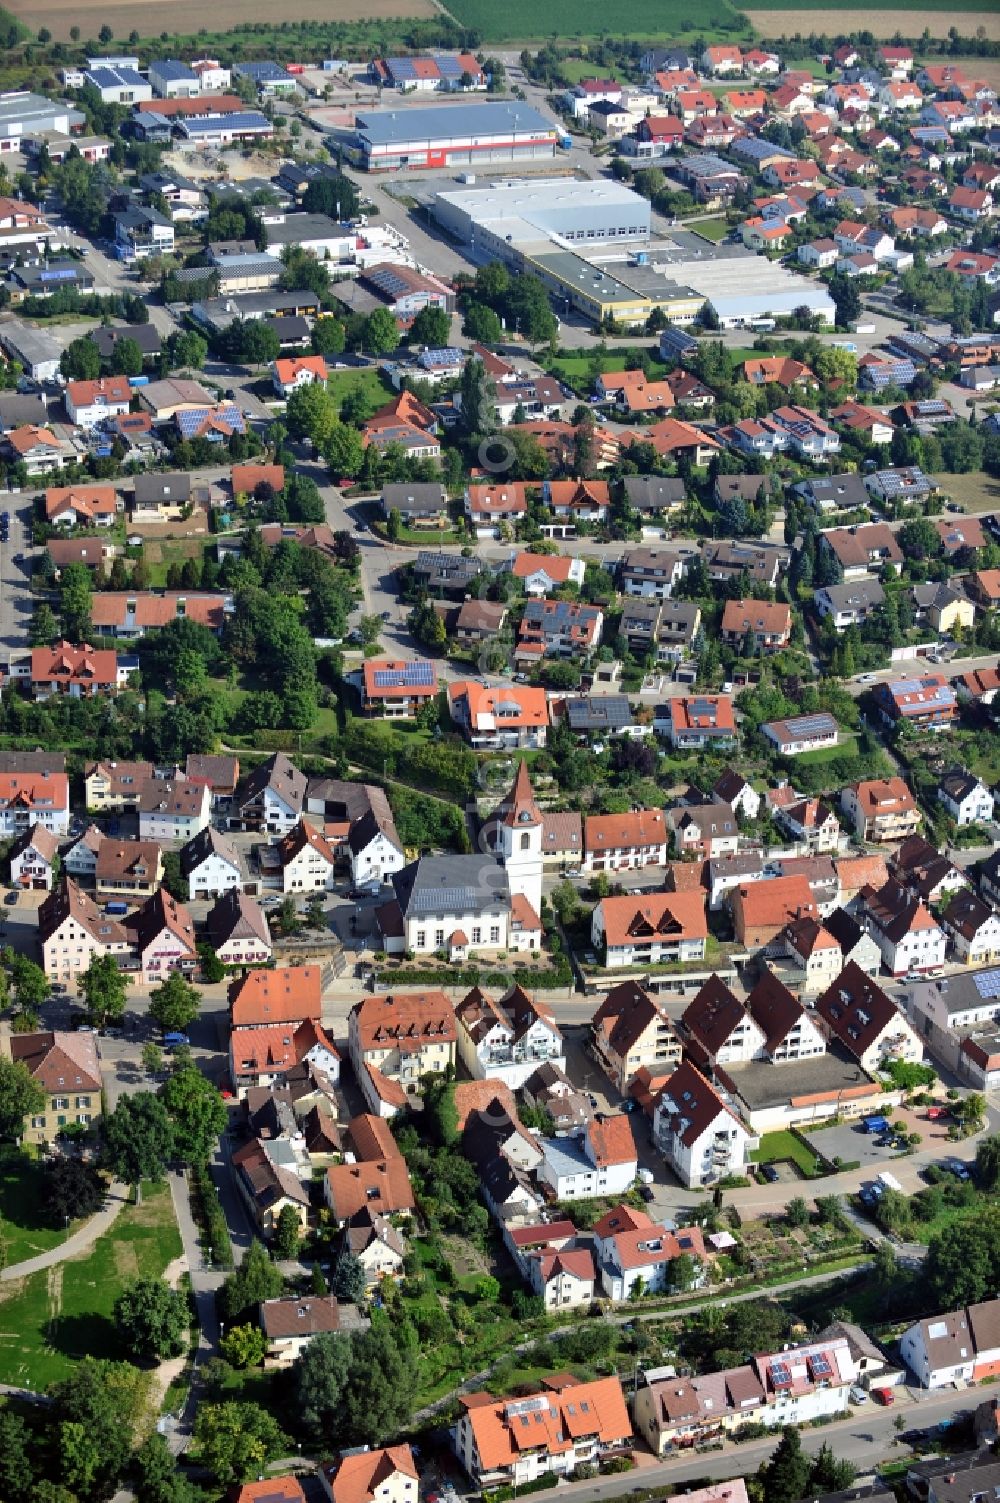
936	1113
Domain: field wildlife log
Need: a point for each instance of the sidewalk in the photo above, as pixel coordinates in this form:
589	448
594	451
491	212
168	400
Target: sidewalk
81	1241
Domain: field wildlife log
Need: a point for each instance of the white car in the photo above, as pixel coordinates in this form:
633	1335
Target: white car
858	1396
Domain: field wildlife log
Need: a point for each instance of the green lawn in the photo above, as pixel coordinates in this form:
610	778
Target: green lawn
776	1147
160	553
712	229
566	19
847	746
576	368
54	1318
373	388
24	1230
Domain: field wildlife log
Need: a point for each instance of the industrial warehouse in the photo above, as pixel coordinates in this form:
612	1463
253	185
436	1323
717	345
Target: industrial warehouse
455	135
591	242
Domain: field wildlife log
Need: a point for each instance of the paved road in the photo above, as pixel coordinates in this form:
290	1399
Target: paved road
16	602
81	1241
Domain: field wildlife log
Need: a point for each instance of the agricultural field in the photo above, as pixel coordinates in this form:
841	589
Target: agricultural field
186	17
781	20
523	20
974	492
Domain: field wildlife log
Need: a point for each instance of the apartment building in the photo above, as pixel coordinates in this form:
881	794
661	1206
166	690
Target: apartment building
508	1039
630	1031
398	1039
67	1068
881	810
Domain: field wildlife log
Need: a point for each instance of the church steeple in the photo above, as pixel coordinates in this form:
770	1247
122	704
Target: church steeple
519	808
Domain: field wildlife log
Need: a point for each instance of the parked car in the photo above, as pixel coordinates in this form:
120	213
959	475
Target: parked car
770	1173
174	1039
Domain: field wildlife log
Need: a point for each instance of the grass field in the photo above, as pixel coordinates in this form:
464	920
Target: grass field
712	229
188	17
523	19
777	1147
52	1319
376	392
24	1230
847	746
974	492
895	15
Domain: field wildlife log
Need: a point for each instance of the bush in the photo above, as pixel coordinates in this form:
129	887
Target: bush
207	1210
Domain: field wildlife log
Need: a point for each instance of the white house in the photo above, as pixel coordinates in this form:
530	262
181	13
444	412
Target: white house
307	860
270	797
91	402
940	1351
600	1160
564	1277
634	1252
974	928
211	865
904	930
700	1137
32	859
171	810
80	859
857	1014
966	798
509	1039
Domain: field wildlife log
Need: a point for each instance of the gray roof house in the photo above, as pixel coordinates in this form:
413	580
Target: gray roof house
419	501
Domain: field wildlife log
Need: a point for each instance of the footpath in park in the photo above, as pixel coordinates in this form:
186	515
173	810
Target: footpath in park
81	1241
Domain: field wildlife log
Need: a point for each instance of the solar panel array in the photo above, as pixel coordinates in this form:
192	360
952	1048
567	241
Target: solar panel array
810	725
821	1366
781	1375
411	676
987	984
388	281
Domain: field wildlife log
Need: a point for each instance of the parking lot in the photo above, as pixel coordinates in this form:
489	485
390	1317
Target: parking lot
851	1143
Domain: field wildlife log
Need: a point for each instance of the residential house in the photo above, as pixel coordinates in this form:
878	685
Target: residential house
940	1351
32	859
631	1031
922	870
767	623
700	1137
80	857
266	1188
72	930
81	505
507	1040
163	936
211	865
172	809
707	830
928	702
902	927
600	1159
396	1040
81	672
813	950
622	842
943	606
558	628
700	721
34	798
572	1423
237	930
419	504
489	506
635	1254
860	550
650	929
974	929
270	797
66	1067
762	909
651	573
89	403
115	785
395	689
385	1474
966	797
577	500
306	860
810	822
38	449
377	1180
539	572
128	870
455	903
882	810
849	604
857	1014
289	1324
732	788
854	941
801	733
378	1246
502	716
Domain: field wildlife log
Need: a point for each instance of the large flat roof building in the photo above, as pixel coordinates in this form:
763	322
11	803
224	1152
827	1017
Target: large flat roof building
453	135
23	114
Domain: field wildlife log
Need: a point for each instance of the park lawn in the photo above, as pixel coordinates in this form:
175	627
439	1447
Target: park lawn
24	1231
712	229
54	1318
974	492
373	387
847	746
776	1147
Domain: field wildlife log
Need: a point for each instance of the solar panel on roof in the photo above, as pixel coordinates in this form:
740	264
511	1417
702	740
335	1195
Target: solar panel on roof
411	675
987	984
821	1367
781	1376
810	725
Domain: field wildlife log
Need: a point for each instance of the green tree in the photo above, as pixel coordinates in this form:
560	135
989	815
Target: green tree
94	1415
174	1004
349	1279
256	1280
328	336
287	1234
17	1474
343	450
236	1441
431	327
73	1189
829	1475
152	1319
378	1402
482	324
197	1111
988	1164
43	627
31	985
74	602
152	1058
157	1477
127	358
80	360
785	1477
102	987
970	1111
335	195
478	399
394	525
138	1139
310	413
187	350
381	333
918	539
797	1212
20	1096
244	1346
319	1381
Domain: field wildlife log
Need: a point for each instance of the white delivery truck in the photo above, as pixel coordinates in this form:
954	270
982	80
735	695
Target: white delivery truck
889	1181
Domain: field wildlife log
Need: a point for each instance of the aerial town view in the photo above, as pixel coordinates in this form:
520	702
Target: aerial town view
499	751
